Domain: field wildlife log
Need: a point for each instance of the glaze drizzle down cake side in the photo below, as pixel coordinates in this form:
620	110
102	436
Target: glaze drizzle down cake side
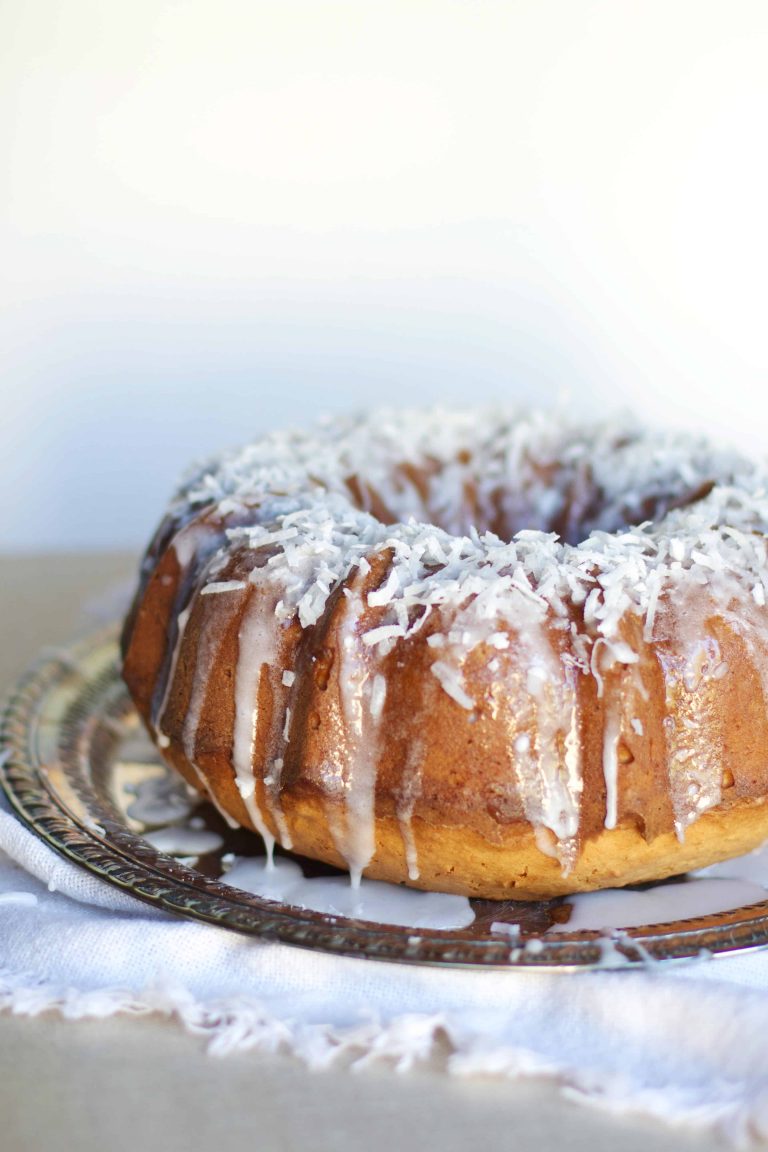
492	653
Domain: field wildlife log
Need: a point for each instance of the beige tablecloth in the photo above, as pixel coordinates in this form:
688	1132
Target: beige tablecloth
142	1082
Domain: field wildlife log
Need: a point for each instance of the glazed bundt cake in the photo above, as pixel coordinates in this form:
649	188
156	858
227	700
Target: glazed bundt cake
493	653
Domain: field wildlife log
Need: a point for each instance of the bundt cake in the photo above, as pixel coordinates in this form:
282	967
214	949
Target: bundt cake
498	654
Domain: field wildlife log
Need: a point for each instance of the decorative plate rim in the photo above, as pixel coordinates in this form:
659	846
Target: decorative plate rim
106	847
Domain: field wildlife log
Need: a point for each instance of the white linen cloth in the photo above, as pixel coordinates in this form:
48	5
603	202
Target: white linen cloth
687	1044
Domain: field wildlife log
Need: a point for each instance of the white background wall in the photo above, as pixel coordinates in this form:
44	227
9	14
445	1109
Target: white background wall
217	217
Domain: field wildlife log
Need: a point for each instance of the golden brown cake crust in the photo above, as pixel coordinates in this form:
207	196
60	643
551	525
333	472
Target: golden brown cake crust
501	720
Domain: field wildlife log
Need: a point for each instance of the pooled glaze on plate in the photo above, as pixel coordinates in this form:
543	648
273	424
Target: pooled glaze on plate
81	772
720	888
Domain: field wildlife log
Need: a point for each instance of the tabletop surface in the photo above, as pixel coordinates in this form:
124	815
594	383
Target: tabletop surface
144	1083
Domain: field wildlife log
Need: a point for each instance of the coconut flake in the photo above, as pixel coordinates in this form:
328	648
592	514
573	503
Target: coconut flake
386	632
378	696
451	680
223	586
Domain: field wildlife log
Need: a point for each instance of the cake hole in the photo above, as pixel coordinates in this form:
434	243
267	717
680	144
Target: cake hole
728	779
314	721
562	491
323	665
623	754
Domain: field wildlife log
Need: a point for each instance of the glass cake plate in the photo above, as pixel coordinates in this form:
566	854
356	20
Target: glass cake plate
76	762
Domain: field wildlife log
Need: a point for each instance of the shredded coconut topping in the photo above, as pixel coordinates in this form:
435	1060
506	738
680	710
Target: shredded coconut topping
479	508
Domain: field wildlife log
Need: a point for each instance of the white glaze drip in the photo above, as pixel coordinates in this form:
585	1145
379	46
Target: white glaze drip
272	785
693	750
185	546
611	737
209	643
181	624
554	708
255	651
357	841
543	736
410	790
